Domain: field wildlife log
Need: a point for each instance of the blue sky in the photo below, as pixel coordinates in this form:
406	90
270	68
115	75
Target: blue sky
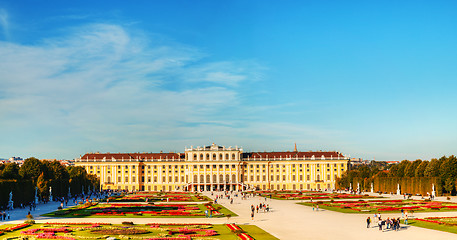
372	79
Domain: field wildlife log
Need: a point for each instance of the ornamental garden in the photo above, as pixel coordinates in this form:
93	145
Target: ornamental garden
367	206
310	195
127	230
143	210
160	196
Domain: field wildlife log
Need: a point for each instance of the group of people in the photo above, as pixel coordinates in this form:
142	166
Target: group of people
4	216
390	223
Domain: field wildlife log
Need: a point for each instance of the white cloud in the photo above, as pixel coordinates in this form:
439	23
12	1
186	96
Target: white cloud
4	22
103	88
102	85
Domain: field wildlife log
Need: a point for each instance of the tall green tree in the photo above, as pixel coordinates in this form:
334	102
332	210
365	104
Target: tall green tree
433	168
31	169
10	171
410	170
420	170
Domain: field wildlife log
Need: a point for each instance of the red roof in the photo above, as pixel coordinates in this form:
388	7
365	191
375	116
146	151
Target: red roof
132	156
292	155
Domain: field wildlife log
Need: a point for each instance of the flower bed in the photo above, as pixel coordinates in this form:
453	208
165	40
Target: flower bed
387	206
449	221
152	231
310	195
160	196
142	210
16	227
239	232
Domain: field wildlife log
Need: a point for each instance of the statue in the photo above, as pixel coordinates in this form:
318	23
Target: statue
350	186
69	193
50	194
398	189
372	189
433	191
10	202
36	195
358	187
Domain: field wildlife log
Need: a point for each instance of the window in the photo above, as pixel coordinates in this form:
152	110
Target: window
258	178
126	179
328	176
119	179
293	177
307	177
220	156
214	156
233	156
133	179
195	156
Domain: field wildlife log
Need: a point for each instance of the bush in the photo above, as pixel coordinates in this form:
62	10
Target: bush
59	208
127	223
30	221
29	216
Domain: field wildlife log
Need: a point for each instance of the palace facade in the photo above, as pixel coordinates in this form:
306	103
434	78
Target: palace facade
215	168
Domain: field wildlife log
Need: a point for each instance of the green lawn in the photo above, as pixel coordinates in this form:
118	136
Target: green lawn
88	212
323	205
434	226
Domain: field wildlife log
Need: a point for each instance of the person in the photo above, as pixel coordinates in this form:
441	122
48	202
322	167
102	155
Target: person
206	212
406	219
252	215
380	224
317	207
313	207
368	222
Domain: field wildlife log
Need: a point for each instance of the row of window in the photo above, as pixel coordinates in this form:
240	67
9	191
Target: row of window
214	157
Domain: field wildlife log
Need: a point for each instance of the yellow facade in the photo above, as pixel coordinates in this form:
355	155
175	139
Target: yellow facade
215	168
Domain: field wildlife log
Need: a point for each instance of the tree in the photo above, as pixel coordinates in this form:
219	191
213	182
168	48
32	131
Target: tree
433	168
401	168
10	171
420	170
43	186
78	176
31	169
410	170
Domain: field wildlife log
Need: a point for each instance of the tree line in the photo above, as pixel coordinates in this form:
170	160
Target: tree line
22	180
444	170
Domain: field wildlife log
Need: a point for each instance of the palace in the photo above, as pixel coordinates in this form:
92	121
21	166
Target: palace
215	168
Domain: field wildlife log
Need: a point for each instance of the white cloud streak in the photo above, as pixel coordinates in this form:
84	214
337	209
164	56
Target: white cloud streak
103	88
4	22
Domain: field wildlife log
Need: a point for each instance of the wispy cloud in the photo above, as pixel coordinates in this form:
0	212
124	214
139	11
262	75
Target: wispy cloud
103	88
4	22
102	85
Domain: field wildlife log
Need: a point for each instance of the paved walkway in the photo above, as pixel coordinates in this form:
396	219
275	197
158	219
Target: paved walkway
287	220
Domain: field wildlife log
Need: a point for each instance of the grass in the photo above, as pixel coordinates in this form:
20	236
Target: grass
201	207
223	231
434	226
349	210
